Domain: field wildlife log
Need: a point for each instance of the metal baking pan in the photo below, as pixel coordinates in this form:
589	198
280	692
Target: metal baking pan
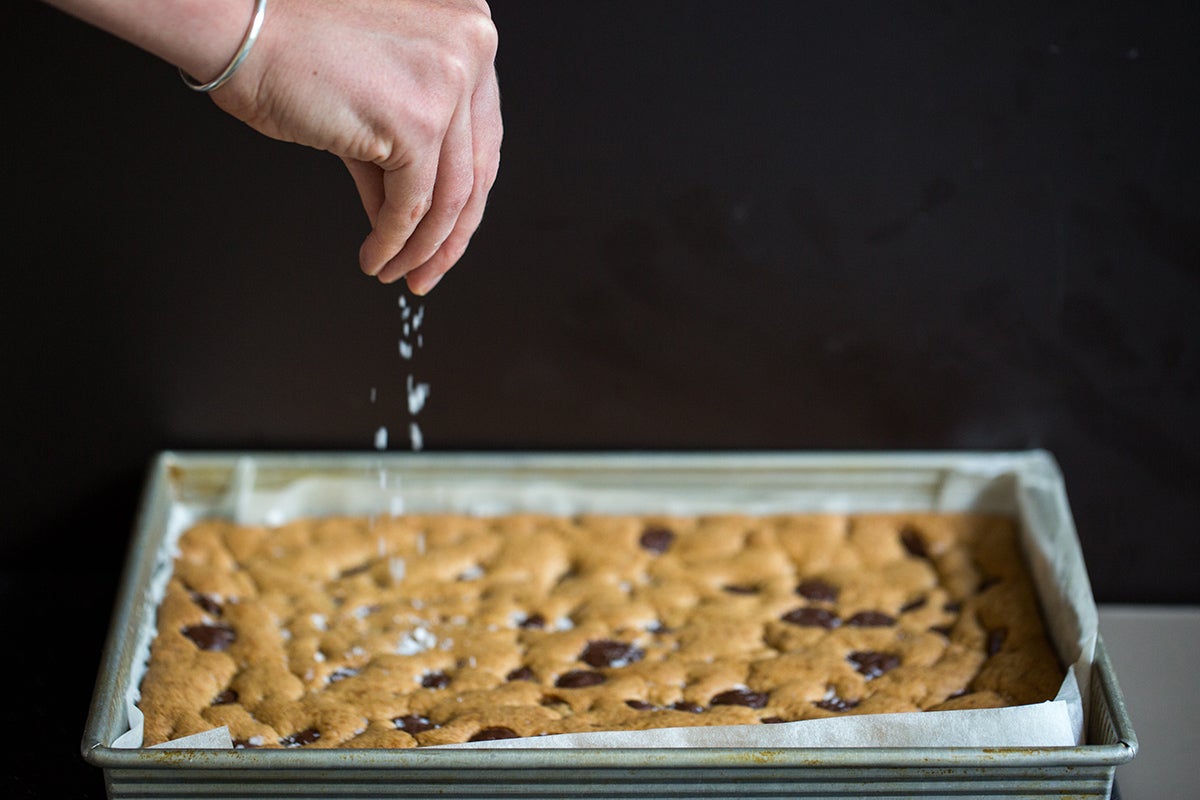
254	485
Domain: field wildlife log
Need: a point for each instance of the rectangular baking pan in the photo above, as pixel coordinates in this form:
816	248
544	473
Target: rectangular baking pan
497	482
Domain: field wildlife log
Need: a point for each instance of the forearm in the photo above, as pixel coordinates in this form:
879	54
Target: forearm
199	36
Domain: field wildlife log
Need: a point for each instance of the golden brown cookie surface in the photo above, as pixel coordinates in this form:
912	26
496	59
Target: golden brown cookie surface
423	630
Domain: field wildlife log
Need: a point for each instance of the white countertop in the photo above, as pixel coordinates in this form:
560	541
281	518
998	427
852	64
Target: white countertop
1155	652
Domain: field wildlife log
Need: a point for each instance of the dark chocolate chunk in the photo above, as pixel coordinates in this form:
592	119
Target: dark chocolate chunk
490	734
578	678
521	674
211	637
995	640
740	589
244	744
740	697
610	653
533	622
870	619
225	698
913	605
638	705
210	606
772	720
690	708
872	664
435	680
913	542
817	590
413	723
836	703
341	673
808	617
988	583
657	539
301	738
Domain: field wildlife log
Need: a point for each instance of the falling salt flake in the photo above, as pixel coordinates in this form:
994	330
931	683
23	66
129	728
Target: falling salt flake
418	393
471	574
255	741
373	394
381	443
362	612
406	349
563	624
421	543
416	641
419	317
380	547
420	340
318	621
407	330
403	301
396	568
414	434
319	657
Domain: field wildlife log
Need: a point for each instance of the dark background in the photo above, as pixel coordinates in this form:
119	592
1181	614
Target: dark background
747	226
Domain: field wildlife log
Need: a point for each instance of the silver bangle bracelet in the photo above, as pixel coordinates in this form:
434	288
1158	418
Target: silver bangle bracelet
260	10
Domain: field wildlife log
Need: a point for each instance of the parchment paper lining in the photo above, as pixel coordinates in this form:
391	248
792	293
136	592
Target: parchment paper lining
1034	496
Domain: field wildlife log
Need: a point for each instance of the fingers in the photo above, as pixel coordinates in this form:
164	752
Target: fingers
368	179
451	192
486	141
407	197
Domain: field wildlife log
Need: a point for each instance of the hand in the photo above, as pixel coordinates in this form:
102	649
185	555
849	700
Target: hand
405	92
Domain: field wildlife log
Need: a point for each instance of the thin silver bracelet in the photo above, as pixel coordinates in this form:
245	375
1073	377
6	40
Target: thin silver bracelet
260	10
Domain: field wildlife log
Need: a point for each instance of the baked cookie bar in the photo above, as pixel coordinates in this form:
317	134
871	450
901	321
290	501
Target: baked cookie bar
422	630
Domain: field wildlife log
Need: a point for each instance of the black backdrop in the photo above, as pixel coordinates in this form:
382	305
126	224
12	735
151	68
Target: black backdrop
748	226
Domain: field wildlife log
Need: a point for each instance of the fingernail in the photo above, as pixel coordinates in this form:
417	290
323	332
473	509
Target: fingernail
420	290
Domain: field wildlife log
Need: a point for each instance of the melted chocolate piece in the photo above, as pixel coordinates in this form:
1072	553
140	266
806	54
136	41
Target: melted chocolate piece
872	664
490	734
301	738
817	590
435	680
740	697
740	589
244	744
995	641
657	539
871	619
610	653
836	703
211	637
413	723
987	583
210	606
578	678
533	622
913	605
808	617
225	698
913	542
638	705
521	674
690	708
361	568
341	674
